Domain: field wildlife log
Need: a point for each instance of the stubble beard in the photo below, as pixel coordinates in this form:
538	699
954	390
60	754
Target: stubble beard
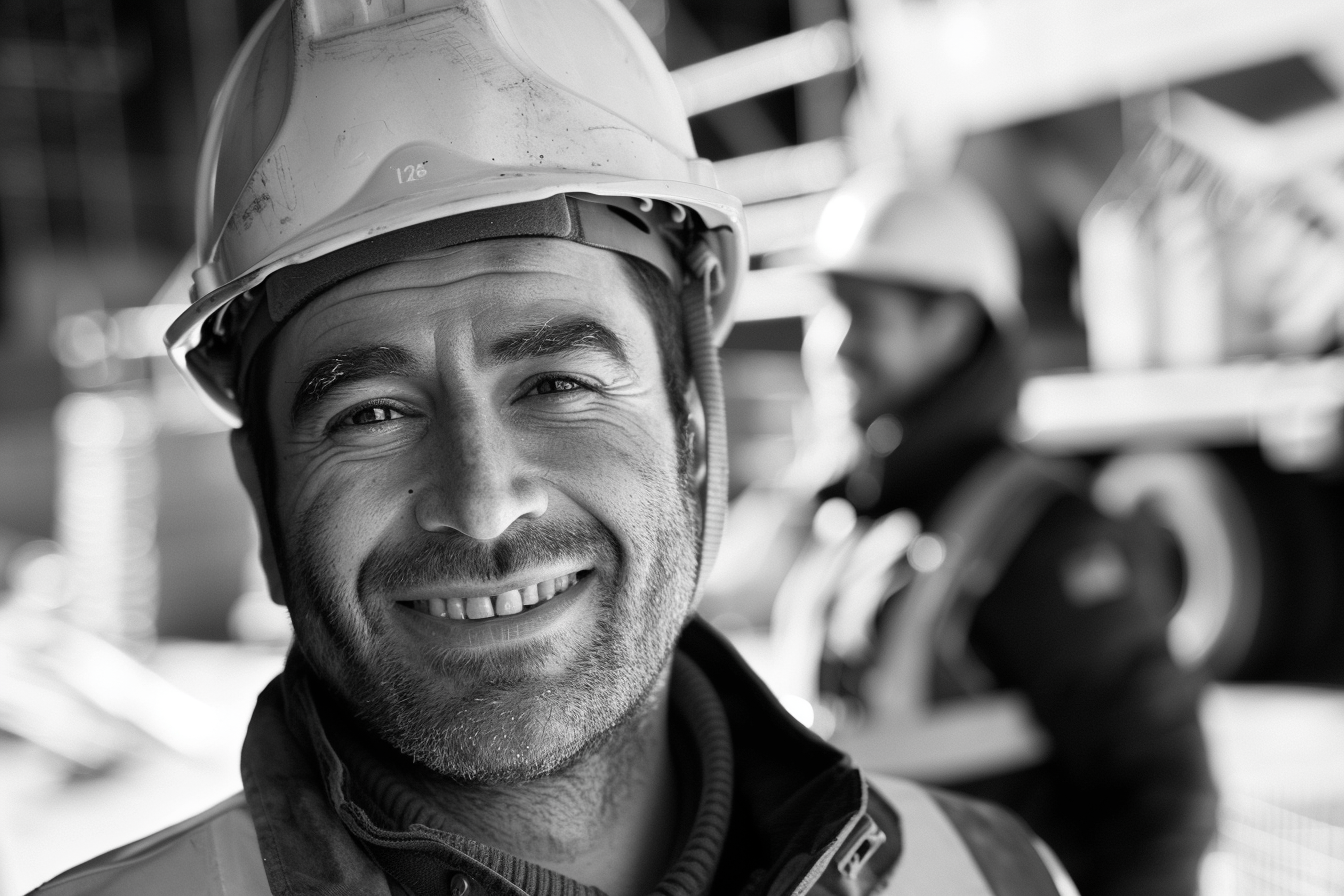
515	716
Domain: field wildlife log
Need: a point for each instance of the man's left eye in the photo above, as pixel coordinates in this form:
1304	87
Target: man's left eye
552	385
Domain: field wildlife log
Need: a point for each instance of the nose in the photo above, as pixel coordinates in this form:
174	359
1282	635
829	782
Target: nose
480	485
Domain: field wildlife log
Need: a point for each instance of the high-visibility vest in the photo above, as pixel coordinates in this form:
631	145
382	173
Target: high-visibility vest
904	730
906	841
215	853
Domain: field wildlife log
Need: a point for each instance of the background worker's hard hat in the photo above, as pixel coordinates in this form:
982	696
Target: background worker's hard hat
343	120
946	236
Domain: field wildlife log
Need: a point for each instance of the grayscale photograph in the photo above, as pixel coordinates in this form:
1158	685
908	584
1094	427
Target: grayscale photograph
672	447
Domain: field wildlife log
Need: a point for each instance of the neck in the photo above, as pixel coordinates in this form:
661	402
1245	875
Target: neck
607	820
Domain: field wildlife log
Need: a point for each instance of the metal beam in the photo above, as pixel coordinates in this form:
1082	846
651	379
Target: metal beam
760	68
791	171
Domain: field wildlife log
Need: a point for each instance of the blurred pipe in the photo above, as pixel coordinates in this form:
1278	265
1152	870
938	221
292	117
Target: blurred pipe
140	330
124	689
40	710
107	515
770	65
780	292
1292	408
784	224
95	337
781	173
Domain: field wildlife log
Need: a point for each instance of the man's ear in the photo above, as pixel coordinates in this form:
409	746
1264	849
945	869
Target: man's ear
246	465
698	468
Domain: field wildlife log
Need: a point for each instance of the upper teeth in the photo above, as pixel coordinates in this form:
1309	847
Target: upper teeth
508	603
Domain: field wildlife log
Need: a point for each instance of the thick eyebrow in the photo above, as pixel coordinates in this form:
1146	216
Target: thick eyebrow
352	366
557	337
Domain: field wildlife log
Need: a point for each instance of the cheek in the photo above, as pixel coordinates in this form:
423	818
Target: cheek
613	456
615	471
334	512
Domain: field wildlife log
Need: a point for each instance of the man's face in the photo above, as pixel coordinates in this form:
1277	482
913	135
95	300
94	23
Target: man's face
467	436
900	343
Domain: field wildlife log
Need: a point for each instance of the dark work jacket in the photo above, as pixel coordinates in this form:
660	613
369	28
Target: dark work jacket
800	821
1126	798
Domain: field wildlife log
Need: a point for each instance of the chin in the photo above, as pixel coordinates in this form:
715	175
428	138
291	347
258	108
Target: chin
510	733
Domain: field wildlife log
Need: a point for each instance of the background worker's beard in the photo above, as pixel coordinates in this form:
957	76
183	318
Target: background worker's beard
522	711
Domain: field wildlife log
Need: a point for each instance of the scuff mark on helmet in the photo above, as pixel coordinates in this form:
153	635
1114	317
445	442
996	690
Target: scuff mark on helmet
245	215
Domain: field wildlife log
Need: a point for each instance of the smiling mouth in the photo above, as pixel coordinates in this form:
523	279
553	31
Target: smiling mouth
507	603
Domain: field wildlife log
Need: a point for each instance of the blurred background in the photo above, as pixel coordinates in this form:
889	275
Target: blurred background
1173	171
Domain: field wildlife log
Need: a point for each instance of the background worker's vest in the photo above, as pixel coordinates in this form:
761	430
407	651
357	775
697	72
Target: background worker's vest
906	728
907	841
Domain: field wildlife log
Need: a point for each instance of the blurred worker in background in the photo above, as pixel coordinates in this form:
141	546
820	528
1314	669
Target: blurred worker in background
929	276
461	277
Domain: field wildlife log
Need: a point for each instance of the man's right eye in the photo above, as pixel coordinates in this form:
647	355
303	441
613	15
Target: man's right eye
370	415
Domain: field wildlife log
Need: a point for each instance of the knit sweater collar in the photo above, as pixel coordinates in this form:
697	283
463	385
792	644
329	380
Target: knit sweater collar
702	753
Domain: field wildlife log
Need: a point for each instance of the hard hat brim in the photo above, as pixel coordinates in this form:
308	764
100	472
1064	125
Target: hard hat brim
718	211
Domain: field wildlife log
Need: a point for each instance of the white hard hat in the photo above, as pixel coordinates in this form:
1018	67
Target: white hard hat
946	236
341	121
351	133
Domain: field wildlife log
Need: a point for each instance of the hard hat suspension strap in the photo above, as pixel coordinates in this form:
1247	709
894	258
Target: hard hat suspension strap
707	268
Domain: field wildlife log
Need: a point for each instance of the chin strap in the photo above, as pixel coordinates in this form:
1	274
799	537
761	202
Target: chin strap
705	266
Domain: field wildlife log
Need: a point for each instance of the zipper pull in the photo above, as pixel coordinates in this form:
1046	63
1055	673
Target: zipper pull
863	842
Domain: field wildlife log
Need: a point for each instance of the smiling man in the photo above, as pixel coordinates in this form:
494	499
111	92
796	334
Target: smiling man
460	280
486	506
